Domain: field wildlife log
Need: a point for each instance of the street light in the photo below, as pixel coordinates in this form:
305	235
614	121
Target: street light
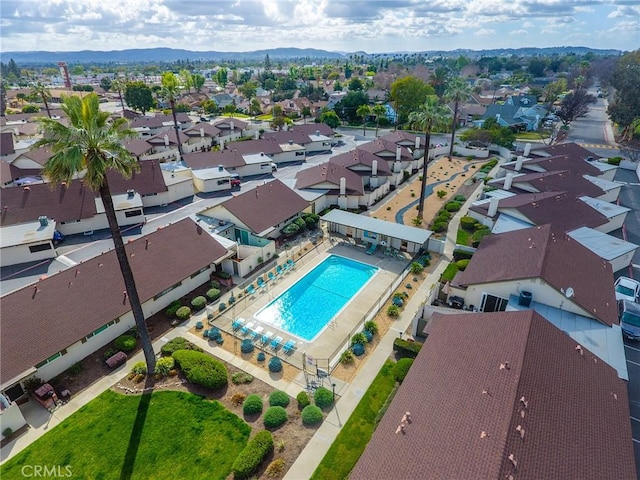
333	385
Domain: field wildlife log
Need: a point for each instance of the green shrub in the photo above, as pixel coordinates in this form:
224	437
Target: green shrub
301	224
261	357
164	365
183	313
452	206
275	365
125	343
371	326
468	223
462	264
358	338
409	349
461	254
311	415
173	308
323	397
215	284
178	343
251	456
201	369
7	432
444	214
275	416
614	160
76	368
358	349
221	307
478	235
303	400
139	368
213	294
460	198
368	335
393	311
416	268
439	227
290	230
279	399
199	302
252	405
241	377
347	357
401	368
246	346
110	352
276	468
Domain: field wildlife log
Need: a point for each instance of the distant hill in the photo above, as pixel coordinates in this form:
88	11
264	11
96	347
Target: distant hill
141	55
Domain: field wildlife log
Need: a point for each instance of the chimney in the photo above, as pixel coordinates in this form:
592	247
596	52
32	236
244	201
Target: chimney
44	221
317	133
508	181
527	149
220	168
399	152
417	142
166	140
221	142
202	132
343	186
290	142
257	135
519	163
231	125
130	193
493	206
374	168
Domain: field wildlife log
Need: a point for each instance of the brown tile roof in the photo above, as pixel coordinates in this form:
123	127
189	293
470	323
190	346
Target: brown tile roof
209	130
148	180
312	128
226	158
39	155
158	139
225	124
283	137
557	181
327	175
6	144
564	212
75	302
386	149
266	205
402	137
541	252
250	147
463	393
570	149
159	120
64	204
573	163
138	146
359	156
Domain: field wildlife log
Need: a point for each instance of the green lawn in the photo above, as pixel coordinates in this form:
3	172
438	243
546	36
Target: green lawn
529	136
463	237
165	435
356	433
449	272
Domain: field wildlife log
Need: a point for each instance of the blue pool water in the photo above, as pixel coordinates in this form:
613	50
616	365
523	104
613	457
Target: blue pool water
306	307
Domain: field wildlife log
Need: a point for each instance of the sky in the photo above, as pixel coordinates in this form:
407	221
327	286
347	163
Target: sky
373	26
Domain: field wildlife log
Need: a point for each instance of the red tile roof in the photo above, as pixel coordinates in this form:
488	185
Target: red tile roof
60	310
266	205
148	180
541	252
327	175
464	394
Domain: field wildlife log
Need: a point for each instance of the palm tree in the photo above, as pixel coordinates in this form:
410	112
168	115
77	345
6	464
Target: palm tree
457	91
119	84
170	92
430	114
379	111
363	112
438	79
43	92
90	143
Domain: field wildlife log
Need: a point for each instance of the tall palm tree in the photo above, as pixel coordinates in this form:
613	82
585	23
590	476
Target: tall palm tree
119	85
430	114
170	92
93	144
363	112
438	79
379	111
43	92
457	91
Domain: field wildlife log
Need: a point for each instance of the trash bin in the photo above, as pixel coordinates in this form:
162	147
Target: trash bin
525	299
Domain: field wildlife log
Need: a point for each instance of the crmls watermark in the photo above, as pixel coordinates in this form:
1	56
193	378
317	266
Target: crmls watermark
46	471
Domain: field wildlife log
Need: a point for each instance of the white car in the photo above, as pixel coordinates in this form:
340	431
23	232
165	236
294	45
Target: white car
627	289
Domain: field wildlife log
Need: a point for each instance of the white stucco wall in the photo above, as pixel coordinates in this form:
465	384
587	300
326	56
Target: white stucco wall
12	418
21	254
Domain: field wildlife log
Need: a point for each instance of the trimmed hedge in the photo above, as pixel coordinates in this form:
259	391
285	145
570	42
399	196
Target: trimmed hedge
468	223
252	404
410	349
275	416
275	365
183	313
323	397
452	207
311	415
213	294
401	368
279	399
462	264
199	302
241	377
125	343
250	458
461	255
303	400
178	343
173	308
201	369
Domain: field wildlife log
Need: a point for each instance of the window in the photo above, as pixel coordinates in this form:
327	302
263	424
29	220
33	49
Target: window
51	358
167	290
223	181
40	248
203	269
99	330
491	303
299	154
14	392
133	213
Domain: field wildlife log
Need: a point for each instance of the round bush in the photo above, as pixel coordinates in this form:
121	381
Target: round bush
246	346
439	227
199	302
279	399
173	308
347	357
371	326
275	416
261	357
275	365
311	415
468	223
125	343
368	335
401	368
221	307
213	294
178	343
183	313
462	264
241	377
303	400
251	456
323	397
139	368
358	348
252	405
452	207
201	369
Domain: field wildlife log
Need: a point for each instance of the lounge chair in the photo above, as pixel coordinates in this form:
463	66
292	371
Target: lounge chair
250	290
289	347
261	283
247	328
276	343
279	270
291	264
372	249
237	324
257	332
264	340
271	276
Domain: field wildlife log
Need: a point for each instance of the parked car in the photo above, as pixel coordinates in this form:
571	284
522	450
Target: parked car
627	289
235	180
629	314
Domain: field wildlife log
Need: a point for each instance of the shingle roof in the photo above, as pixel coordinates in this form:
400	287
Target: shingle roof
226	158
170	133
248	147
312	128
266	205
400	136
71	203
541	252
61	309
463	393
329	174
158	121
39	155
573	163
386	149
6	143
148	180
225	124
209	130
570	149
294	136
137	146
556	181
360	156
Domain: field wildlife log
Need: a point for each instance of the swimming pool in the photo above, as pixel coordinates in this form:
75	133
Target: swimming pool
307	306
